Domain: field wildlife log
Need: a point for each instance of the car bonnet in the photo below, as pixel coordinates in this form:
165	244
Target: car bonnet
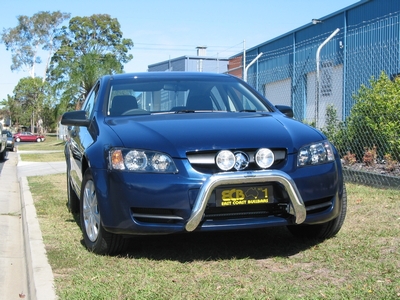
178	134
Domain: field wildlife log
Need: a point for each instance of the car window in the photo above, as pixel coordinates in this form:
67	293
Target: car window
90	101
183	95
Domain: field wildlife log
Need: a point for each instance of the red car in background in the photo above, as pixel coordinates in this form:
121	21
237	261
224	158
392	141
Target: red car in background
28	137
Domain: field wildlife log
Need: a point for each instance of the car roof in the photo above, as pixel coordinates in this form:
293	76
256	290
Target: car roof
170	75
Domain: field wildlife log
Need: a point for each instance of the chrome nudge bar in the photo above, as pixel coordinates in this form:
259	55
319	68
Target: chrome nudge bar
297	206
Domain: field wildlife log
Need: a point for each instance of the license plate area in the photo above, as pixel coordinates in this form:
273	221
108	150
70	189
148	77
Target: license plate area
243	195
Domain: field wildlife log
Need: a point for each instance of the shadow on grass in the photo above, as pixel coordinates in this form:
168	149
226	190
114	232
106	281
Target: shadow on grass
254	244
213	246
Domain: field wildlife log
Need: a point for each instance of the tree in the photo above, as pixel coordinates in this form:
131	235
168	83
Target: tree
90	47
11	109
30	93
31	35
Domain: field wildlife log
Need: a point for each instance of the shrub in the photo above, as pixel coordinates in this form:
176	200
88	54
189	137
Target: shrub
370	156
349	159
391	164
335	131
374	119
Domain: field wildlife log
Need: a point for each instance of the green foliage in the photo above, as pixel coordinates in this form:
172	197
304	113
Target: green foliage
11	109
77	56
90	47
374	119
32	33
335	131
332	122
30	95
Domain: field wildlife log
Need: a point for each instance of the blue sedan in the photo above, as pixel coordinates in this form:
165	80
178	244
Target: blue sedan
160	153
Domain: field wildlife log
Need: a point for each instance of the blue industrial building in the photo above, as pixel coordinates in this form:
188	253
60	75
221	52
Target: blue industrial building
199	63
326	61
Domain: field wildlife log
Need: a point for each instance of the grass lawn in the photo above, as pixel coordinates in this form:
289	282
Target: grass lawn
361	262
53	147
43	157
52	143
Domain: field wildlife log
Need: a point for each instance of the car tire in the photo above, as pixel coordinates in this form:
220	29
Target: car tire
96	238
324	230
3	154
38	140
73	199
17	140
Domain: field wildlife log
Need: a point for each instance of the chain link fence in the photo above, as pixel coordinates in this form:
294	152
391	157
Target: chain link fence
350	92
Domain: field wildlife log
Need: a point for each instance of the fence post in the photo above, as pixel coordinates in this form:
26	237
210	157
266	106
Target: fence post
317	76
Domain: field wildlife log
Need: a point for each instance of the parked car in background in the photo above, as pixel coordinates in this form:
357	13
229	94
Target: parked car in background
28	137
10	140
169	152
3	144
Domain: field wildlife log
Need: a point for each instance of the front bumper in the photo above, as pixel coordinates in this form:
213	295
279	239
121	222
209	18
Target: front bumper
296	208
143	204
10	145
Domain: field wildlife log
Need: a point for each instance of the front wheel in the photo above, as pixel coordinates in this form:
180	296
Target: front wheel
324	230
3	154
38	140
96	238
17	140
73	200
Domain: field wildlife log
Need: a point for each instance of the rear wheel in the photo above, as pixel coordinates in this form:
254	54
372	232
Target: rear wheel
38	140
96	238
17	139
324	230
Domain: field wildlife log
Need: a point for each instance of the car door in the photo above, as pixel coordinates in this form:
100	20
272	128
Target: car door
24	137
30	137
80	139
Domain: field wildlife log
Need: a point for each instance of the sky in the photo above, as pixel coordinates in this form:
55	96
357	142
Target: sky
167	29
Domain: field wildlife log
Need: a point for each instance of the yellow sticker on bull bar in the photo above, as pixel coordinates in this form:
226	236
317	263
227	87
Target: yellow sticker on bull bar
236	196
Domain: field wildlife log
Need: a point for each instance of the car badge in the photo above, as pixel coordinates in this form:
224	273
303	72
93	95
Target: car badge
241	161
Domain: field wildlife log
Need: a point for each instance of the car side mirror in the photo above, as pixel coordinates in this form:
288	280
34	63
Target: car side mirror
75	118
286	110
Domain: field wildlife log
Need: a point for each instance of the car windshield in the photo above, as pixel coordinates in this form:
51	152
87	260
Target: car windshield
135	96
8	133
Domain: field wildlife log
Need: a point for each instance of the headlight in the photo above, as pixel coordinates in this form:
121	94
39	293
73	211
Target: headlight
315	154
136	160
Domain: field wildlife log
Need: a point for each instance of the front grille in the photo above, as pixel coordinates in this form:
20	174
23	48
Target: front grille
245	211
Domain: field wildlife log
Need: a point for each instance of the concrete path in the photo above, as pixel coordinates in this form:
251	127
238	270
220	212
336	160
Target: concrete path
24	269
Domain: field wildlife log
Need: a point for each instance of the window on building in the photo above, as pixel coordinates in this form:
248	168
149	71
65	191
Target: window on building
326	78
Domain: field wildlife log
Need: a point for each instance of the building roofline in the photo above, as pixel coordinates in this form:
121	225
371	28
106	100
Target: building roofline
188	57
359	3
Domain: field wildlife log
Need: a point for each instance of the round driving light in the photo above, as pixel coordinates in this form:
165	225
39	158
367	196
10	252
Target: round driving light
225	160
136	160
264	158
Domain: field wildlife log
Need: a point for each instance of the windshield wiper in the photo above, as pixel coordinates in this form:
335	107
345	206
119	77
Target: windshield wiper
184	111
248	110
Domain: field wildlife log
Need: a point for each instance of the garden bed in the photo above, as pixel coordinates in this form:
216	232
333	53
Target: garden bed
376	175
